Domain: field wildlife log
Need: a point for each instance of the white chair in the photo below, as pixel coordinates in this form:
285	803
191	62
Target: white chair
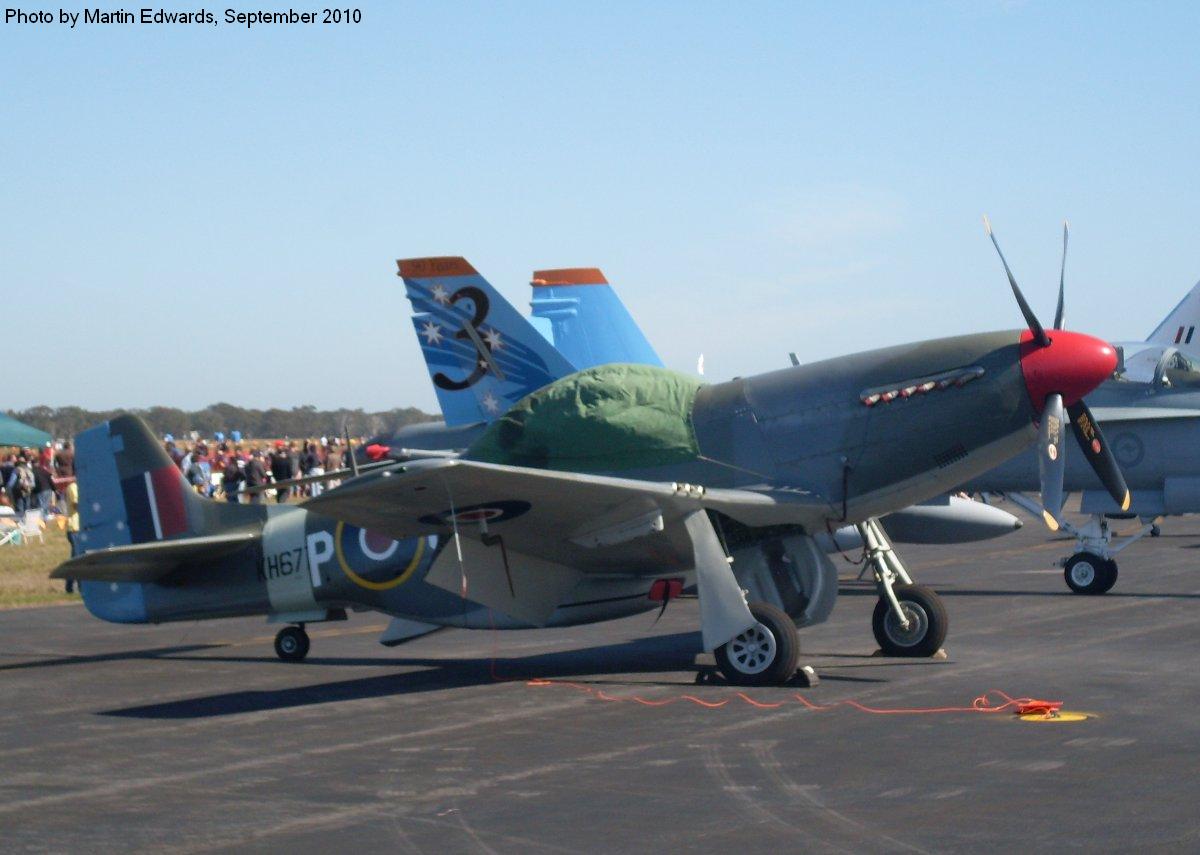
10	535
32	525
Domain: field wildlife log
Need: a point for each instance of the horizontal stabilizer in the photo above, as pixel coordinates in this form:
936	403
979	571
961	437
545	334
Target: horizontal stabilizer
148	562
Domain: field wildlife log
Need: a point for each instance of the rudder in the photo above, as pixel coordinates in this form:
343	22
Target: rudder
483	355
589	324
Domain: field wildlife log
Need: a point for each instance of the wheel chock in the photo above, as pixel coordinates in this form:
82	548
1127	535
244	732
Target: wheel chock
940	654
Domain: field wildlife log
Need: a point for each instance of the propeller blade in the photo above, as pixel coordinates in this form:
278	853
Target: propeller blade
1052	459
1091	440
1062	275
1035	326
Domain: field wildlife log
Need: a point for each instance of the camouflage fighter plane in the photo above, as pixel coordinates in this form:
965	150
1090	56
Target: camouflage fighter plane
581	314
598	495
578	311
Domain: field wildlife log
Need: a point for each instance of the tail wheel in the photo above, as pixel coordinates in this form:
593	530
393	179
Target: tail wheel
927	622
1088	573
291	644
765	654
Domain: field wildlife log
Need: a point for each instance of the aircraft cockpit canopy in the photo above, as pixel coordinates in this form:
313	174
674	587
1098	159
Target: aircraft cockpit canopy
1176	370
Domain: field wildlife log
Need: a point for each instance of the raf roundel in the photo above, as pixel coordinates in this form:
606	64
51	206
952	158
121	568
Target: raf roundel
488	512
374	561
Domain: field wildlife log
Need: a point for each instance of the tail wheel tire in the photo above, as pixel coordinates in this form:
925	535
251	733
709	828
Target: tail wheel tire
291	644
1088	573
765	654
927	622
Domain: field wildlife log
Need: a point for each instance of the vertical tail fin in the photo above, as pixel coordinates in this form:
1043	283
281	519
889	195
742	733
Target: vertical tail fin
1179	327
482	354
131	492
589	324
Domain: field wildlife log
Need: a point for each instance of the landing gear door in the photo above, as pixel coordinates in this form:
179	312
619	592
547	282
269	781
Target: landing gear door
790	572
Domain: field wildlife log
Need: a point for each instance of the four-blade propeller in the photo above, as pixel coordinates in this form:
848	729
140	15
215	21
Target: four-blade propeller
1052	456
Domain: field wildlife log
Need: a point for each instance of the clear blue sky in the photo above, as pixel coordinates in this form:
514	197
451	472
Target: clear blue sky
194	215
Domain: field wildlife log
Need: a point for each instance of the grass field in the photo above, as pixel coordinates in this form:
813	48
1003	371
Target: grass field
24	572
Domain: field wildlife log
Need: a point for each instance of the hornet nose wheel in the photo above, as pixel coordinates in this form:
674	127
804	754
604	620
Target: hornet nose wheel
291	644
765	654
1088	573
926	620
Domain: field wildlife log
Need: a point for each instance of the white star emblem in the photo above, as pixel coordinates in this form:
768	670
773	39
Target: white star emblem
432	333
490	403
439	294
492	337
483	363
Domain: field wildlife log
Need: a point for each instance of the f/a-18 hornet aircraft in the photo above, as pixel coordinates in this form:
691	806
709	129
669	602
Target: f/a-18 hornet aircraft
600	494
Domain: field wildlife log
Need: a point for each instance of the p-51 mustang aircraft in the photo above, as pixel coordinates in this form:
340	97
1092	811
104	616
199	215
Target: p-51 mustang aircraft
577	311
602	493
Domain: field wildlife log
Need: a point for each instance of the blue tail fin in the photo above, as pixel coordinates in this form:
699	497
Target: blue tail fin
483	355
588	322
130	492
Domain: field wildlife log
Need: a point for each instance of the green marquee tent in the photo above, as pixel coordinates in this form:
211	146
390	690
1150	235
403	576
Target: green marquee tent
13	432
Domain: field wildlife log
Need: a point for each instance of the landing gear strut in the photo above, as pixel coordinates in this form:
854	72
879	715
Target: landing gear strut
764	655
909	620
1092	570
291	643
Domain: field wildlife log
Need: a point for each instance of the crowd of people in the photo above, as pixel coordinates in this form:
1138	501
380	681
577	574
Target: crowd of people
247	472
34	477
43	479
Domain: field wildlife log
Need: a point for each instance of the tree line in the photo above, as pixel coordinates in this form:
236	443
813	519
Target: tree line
64	422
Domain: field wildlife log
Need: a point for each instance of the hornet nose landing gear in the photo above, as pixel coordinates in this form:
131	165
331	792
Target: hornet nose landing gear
909	620
291	643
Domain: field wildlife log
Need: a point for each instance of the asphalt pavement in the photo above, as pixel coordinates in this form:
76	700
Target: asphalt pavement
194	737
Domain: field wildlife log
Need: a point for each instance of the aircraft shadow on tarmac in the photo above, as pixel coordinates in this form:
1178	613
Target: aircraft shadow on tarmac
658	654
655	655
146	653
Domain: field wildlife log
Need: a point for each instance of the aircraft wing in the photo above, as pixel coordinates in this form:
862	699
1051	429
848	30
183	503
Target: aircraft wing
147	562
584	521
552	527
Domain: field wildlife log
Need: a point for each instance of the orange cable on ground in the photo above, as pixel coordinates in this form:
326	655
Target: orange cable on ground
981	704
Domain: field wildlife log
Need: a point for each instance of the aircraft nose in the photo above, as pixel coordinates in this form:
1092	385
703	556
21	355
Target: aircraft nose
1073	364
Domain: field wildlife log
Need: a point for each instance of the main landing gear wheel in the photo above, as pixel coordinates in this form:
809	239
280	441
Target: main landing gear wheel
765	654
1088	573
291	644
927	622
